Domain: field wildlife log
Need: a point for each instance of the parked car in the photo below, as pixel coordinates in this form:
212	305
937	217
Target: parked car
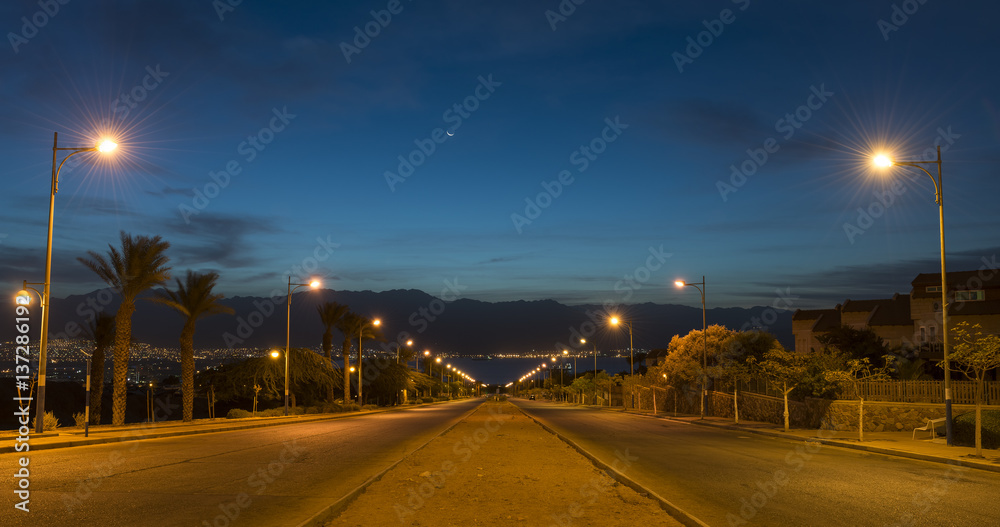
531	397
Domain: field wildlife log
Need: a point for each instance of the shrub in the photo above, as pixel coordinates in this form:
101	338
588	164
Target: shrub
351	407
312	409
237	413
50	421
79	419
371	407
332	408
965	429
427	399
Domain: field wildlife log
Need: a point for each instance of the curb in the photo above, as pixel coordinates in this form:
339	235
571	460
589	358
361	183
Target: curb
333	510
133	435
674	511
968	463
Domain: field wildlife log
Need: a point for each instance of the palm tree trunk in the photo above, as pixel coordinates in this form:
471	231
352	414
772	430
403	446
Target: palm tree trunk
187	369
346	353
96	383
123	337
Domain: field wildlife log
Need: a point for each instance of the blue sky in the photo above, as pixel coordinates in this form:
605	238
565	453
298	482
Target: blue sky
188	90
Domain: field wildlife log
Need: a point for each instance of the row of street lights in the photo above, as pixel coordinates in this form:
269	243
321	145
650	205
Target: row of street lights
107	146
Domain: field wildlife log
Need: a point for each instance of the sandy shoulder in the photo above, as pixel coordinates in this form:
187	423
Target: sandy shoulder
498	467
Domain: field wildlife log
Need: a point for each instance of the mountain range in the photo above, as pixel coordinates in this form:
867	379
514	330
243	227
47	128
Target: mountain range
460	327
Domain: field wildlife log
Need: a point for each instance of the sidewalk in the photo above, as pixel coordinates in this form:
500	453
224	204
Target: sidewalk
889	443
70	437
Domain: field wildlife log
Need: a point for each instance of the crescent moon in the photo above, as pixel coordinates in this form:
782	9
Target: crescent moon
450	134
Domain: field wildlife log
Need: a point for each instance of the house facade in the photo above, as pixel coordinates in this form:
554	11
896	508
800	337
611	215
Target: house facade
911	321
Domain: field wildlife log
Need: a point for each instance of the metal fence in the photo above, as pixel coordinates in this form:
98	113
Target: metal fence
962	392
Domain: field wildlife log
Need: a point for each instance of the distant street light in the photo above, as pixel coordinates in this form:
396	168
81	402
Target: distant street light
616	321
288	327
884	161
105	147
704	337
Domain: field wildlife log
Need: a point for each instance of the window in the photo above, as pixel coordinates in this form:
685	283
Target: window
933	289
970	296
923	334
933	333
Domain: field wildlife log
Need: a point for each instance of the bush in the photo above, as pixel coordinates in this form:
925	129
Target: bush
50	421
427	399
351	407
79	419
332	408
965	429
371	407
238	413
312	409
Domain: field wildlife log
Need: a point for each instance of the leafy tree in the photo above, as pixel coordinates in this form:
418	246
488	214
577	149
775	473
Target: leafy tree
856	372
195	300
140	265
392	378
101	330
783	369
583	385
331	313
310	377
857	343
348	326
975	354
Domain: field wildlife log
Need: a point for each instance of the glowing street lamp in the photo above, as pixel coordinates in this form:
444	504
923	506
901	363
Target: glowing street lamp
105	147
288	327
616	321
885	161
704	337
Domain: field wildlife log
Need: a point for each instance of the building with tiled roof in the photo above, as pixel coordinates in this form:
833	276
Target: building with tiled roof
912	321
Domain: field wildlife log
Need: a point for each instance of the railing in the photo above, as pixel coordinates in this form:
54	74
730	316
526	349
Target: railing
962	392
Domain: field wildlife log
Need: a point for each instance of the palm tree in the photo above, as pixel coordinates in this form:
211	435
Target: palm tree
330	313
140	265
102	331
348	325
365	329
193	299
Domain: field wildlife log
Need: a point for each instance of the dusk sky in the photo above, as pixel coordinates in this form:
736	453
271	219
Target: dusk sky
640	108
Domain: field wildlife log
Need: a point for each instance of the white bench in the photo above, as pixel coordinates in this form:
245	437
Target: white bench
930	425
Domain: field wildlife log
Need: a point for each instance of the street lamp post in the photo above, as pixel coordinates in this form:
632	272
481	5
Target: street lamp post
288	326
885	162
631	360
704	337
361	332
105	146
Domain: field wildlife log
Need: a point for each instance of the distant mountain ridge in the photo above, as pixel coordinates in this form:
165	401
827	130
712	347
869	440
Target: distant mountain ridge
463	326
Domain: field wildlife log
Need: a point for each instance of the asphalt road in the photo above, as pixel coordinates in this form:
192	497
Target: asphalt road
725	477
279	475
